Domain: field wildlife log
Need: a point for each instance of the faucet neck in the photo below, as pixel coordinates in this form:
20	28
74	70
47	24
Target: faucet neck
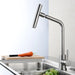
62	55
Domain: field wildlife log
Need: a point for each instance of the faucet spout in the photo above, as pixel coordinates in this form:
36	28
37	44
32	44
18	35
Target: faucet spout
62	57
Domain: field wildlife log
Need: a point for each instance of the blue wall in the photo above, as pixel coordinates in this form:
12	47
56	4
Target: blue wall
19	36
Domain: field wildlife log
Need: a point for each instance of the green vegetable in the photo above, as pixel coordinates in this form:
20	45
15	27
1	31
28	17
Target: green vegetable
52	70
47	73
48	70
55	72
50	73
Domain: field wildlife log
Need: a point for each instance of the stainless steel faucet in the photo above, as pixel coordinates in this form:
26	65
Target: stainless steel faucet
62	55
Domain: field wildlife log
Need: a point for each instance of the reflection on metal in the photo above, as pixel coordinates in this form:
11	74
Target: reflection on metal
39	13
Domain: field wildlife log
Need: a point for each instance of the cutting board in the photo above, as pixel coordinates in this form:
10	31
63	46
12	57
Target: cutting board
26	57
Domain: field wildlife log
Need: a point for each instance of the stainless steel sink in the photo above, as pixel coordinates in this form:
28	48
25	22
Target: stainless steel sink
35	69
63	73
46	66
40	72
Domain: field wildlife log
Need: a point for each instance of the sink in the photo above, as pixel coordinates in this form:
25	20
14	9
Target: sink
34	71
40	72
46	66
63	73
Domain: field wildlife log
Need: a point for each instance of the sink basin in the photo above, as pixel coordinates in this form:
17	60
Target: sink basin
34	71
63	73
46	66
40	72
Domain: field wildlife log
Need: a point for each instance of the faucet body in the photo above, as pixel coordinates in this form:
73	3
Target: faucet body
62	64
62	53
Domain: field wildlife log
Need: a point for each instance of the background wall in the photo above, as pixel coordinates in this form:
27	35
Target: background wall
16	32
65	11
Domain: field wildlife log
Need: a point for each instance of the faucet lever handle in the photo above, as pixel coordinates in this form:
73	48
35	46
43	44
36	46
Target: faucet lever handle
67	58
67	54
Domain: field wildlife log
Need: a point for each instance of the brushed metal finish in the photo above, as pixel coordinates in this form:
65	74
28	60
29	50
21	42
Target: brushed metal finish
62	54
37	16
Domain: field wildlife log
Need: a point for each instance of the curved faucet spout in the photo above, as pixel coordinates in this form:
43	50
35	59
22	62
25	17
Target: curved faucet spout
62	32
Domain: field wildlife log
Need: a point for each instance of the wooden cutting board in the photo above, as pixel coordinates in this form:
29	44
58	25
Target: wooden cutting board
26	57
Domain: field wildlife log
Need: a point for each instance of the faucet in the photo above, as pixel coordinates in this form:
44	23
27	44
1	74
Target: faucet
62	63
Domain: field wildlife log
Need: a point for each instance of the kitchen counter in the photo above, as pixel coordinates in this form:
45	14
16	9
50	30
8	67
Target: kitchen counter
49	62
